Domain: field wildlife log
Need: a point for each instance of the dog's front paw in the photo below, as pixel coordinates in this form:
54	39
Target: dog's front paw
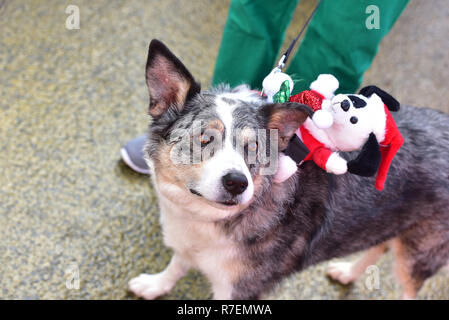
149	286
341	272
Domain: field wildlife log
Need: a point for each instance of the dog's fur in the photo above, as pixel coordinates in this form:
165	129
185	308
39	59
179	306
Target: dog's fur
273	230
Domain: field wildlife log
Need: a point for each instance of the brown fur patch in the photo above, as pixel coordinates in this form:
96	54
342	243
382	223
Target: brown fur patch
177	174
216	124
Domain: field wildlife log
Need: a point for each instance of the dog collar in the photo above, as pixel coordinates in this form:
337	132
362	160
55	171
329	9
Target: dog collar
296	149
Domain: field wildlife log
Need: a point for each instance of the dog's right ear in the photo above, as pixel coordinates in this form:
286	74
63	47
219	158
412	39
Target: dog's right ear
286	118
169	82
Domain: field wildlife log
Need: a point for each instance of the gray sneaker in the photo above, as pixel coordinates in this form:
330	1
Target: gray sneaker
132	155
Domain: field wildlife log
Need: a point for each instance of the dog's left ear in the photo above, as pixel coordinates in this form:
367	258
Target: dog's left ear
169	82
391	103
286	118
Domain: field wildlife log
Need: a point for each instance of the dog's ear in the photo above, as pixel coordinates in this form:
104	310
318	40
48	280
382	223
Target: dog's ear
286	118
169	82
391	103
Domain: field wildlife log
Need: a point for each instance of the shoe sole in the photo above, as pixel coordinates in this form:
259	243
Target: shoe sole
125	157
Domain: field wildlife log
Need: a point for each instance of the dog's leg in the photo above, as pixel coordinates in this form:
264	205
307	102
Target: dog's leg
347	272
420	252
403	268
151	286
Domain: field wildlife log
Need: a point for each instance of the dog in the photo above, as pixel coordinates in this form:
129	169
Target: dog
222	216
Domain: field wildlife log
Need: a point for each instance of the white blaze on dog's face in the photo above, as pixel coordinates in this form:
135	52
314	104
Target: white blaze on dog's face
355	117
225	177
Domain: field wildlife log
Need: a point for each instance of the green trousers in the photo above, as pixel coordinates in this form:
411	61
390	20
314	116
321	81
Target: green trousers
342	39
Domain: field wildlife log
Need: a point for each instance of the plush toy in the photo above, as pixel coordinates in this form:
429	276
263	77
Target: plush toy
277	86
346	122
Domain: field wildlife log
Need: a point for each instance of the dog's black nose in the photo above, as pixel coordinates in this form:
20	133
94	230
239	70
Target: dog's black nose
345	105
235	182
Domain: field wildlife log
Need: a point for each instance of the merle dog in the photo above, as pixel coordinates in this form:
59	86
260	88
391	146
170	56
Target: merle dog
245	233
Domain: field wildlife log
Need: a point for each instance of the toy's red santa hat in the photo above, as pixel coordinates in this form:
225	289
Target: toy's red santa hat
393	139
322	91
318	98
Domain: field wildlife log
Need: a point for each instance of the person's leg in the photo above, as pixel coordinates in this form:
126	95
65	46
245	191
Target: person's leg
339	42
253	35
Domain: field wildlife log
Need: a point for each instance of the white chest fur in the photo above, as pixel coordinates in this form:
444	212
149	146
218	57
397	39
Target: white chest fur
200	243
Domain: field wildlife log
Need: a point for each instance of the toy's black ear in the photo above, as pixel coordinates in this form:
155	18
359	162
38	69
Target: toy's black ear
169	82
286	118
391	103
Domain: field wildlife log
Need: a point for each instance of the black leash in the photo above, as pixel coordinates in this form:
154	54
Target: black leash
296	149
287	53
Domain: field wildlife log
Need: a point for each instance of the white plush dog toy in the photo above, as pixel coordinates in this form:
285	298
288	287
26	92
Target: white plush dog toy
357	121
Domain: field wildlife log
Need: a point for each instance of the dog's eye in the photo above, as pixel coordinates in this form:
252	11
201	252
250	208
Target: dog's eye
205	139
252	146
354	120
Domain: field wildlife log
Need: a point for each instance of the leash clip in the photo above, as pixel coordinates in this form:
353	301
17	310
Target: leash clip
281	63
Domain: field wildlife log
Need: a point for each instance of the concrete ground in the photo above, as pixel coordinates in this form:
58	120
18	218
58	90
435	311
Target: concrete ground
69	99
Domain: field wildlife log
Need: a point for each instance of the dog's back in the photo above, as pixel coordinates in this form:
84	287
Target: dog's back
327	216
